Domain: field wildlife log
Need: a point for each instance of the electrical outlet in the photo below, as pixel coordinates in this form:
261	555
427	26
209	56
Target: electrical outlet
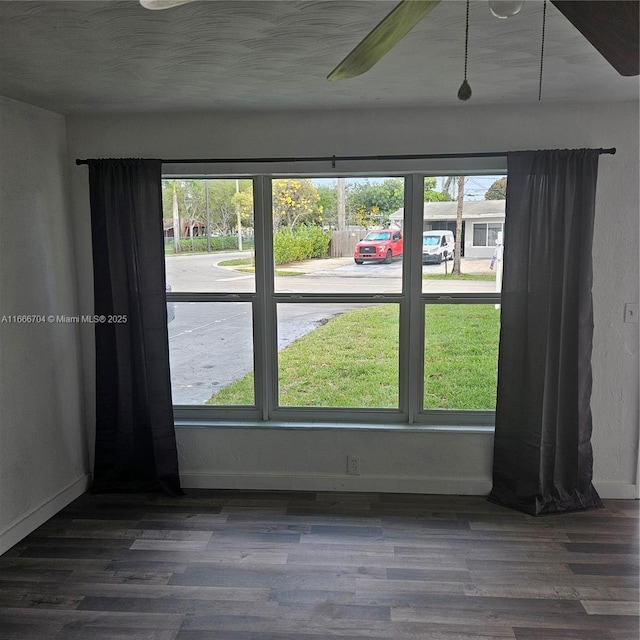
631	312
354	465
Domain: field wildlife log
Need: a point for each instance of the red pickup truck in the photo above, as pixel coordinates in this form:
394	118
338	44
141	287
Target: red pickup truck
382	245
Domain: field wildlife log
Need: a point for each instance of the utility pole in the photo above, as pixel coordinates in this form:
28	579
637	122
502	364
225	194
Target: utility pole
238	217
206	199
176	221
341	204
458	239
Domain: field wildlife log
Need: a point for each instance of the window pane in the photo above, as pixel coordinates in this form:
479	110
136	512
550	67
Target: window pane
211	353
338	355
461	356
479	235
318	224
468	267
208	234
493	233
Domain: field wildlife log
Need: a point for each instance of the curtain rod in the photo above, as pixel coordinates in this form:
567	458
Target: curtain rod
334	159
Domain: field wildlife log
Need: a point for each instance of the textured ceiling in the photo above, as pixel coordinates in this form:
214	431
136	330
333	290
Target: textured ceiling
88	55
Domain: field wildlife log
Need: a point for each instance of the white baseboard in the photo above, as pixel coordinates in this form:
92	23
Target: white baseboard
616	491
29	522
383	484
290	482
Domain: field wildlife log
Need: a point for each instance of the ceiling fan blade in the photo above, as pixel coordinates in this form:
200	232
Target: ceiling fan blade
383	38
611	26
163	4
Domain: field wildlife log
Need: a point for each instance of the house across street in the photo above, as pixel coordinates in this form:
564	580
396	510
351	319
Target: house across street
482	221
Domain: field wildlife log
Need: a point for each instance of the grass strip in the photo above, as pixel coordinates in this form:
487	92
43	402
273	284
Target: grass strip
462	276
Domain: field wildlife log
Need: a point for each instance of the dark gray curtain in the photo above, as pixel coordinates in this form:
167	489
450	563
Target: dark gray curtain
542	453
135	439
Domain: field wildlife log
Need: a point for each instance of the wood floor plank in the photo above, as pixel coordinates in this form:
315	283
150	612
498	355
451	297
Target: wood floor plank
262	635
164	544
14	631
606	569
552	592
371	587
59	619
169	604
97	589
524	633
429	575
608	548
611	608
86	632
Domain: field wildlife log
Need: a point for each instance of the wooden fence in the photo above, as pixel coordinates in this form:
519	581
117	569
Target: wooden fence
344	242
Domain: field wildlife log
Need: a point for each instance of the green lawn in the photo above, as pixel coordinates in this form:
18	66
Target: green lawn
462	276
237	262
461	356
352	361
246	265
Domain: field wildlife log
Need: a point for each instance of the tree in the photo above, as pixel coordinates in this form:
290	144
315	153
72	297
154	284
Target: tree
328	204
186	202
193	203
458	245
171	211
243	201
430	193
294	200
497	191
436	196
176	218
224	203
372	203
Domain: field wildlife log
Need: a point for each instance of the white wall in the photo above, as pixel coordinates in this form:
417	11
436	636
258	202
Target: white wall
409	461
43	450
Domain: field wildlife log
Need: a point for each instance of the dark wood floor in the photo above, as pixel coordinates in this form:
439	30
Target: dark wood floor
224	565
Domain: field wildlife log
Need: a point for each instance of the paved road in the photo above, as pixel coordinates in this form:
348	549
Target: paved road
202	273
211	343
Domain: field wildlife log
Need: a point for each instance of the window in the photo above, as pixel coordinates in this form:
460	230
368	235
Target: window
305	298
486	234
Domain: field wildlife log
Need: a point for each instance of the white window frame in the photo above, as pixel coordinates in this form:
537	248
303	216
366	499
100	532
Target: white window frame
411	301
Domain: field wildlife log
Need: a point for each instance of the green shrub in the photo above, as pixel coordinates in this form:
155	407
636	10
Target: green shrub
318	239
304	243
218	243
196	244
285	247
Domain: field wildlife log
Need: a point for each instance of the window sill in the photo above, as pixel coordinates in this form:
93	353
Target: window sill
329	426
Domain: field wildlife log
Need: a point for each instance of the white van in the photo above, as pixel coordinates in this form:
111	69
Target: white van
437	245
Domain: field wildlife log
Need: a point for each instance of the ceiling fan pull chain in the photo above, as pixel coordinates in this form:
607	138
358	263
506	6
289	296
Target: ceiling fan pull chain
544	20
464	92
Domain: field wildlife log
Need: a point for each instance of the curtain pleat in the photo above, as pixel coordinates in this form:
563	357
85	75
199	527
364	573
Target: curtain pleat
135	440
542	453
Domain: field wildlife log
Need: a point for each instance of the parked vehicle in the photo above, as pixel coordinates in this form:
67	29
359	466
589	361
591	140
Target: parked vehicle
382	245
437	245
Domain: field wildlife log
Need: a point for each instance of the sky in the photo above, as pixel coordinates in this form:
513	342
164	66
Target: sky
475	186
